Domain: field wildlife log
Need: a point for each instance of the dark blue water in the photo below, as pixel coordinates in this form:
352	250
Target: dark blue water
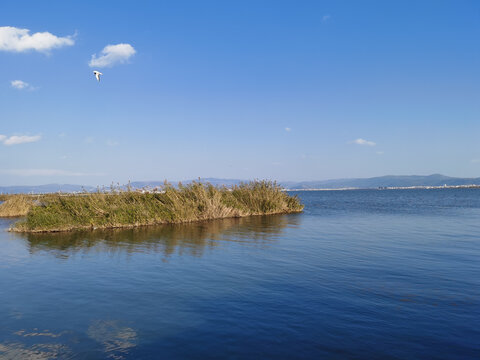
358	275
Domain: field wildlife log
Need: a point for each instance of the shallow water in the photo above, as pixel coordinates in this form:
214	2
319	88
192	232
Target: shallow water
359	275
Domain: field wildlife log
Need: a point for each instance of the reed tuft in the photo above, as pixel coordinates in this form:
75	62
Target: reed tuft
187	203
17	205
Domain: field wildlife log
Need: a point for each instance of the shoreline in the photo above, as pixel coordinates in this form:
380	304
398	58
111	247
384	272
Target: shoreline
419	187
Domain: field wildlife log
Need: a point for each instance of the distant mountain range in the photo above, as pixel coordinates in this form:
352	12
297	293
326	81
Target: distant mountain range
42	189
213	181
362	183
384	181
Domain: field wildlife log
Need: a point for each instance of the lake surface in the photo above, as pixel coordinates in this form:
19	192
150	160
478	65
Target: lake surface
389	274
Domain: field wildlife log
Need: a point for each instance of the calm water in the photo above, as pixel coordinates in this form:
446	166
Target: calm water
358	275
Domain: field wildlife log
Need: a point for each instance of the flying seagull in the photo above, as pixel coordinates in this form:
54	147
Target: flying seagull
97	74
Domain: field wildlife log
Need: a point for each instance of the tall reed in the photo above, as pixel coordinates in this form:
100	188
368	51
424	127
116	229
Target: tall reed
17	205
194	202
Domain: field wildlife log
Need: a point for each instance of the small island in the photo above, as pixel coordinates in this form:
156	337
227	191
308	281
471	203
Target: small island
128	208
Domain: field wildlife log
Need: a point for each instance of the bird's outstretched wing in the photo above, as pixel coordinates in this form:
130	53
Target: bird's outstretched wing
97	74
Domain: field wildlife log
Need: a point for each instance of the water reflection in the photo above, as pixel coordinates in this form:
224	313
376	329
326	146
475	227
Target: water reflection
110	340
33	352
115	339
182	239
34	345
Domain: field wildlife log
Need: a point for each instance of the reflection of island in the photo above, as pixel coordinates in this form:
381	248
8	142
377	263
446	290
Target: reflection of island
190	239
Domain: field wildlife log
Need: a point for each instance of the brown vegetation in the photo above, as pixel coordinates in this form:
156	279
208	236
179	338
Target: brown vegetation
17	205
193	202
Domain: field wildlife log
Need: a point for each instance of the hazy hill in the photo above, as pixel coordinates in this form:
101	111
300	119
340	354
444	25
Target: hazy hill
364	183
213	181
385	181
40	189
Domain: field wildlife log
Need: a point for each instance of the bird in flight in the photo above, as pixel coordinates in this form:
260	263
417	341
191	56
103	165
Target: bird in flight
97	74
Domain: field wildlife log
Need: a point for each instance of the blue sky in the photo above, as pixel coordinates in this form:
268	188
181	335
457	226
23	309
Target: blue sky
286	90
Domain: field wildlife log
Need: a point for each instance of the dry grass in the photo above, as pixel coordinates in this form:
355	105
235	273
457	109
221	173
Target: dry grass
17	205
193	202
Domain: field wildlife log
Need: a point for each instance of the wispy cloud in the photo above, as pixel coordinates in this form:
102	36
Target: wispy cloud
89	139
363	142
475	161
288	129
46	172
112	142
112	55
21	85
326	18
19	139
380	152
13	39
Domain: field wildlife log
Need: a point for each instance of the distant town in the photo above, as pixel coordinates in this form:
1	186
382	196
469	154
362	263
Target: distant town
472	186
389	182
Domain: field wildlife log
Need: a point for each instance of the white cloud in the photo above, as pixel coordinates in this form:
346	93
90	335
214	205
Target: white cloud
112	142
325	18
19	40
380	152
112	55
19	139
21	85
361	141
89	139
46	172
474	161
288	129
